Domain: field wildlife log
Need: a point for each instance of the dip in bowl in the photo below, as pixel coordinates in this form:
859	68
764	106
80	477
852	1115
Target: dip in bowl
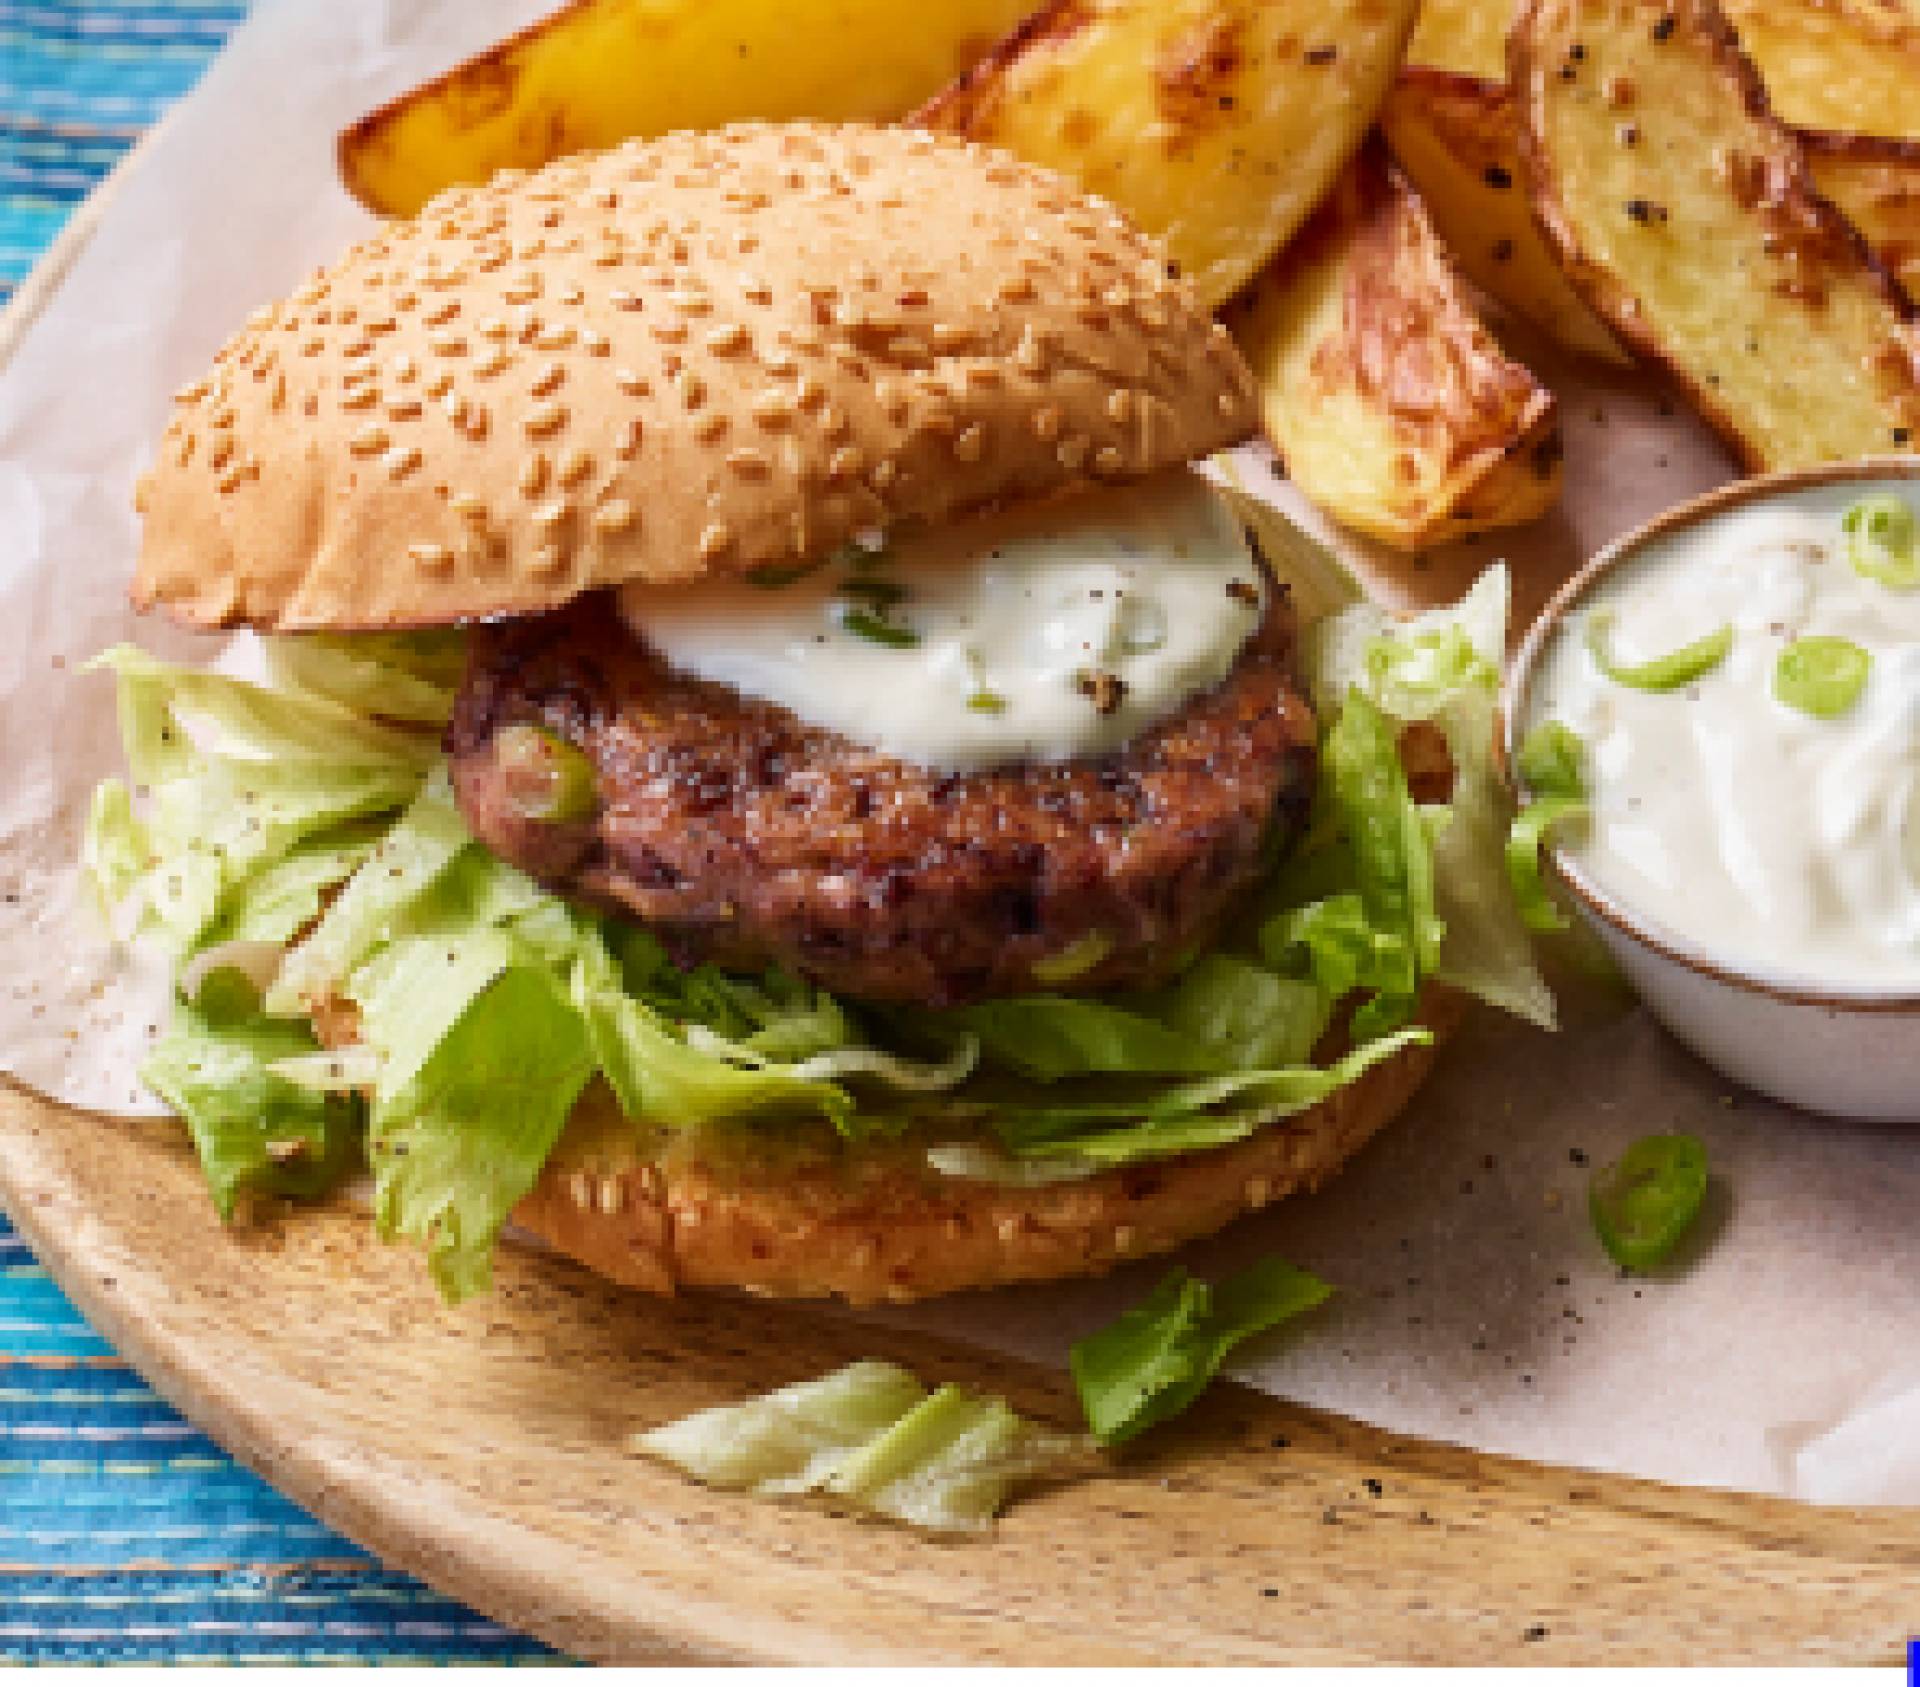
1741	678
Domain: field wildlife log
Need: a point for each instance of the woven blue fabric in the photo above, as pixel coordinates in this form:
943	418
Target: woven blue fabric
126	1535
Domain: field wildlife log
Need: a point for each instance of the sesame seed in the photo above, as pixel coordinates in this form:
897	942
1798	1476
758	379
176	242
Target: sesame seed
808	392
726	338
1120	406
668	333
715	538
693	390
368	441
434	558
970	445
614	516
547	560
442	313
448	345
689	302
468	508
630	434
623	298
553	513
403	409
532	479
594	343
709	426
359	398
631	382
401	462
846	462
545	419
556	338
475	422
547	380
439	386
494	363
1047	421
230	481
748	463
574	467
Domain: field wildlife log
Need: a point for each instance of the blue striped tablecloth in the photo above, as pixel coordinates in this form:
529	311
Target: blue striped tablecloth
124	1533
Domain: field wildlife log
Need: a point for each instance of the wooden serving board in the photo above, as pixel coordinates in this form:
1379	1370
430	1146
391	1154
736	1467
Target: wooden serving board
482	1450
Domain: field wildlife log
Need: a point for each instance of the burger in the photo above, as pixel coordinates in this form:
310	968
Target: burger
755	754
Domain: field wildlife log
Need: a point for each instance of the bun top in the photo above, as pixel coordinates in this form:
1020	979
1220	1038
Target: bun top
707	353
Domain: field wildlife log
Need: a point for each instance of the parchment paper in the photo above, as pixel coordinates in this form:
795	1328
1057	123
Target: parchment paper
1783	1354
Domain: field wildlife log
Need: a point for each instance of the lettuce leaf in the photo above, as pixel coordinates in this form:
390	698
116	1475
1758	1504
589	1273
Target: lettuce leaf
253	1130
1152	1363
464	1139
872	1434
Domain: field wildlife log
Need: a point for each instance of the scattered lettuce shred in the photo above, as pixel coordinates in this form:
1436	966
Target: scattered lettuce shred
1151	1363
871	1435
304	831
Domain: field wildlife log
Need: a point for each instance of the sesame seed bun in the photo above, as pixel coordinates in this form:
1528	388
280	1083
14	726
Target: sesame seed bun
875	1223
706	353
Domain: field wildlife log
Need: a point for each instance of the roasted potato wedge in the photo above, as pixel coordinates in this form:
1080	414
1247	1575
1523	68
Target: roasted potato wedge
1389	401
1848	65
1685	214
599	71
1877	184
1456	138
1216	124
1468	37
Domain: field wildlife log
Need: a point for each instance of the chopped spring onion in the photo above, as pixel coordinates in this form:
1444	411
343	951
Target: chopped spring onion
1647	1200
878	594
1883	541
1552	761
1821	676
1663	673
1525	839
987	703
863	623
548	779
871	1434
1080	956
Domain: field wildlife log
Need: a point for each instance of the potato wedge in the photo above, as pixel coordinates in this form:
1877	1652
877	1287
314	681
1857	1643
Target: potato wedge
600	71
1467	37
1456	138
1686	216
1847	65
1389	401
1216	124
1877	184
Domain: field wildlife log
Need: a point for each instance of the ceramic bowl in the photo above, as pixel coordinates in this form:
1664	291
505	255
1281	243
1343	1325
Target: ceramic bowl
1823	1046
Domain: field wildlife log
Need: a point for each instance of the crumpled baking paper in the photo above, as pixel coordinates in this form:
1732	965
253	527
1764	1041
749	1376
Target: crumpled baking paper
1475	1305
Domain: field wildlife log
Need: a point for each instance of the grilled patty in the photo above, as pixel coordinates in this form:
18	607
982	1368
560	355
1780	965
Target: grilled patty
740	835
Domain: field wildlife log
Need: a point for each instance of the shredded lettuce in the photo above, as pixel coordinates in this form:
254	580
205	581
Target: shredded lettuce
1443	667
464	1139
254	1130
870	1434
306	831
1152	1362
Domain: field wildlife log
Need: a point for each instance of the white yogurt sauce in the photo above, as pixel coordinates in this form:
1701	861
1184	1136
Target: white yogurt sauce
1044	633
1785	842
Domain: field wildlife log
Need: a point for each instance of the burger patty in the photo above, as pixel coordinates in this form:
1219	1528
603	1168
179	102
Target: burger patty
738	834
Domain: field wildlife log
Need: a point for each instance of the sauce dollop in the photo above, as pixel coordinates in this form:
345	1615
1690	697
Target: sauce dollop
1044	633
1774	837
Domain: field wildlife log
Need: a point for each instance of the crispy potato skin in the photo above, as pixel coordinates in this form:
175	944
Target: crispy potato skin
598	72
1215	124
877	1224
1877	184
1391	404
1685	214
1456	138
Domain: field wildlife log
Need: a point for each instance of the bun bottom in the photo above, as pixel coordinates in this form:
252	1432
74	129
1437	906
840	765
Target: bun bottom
878	1224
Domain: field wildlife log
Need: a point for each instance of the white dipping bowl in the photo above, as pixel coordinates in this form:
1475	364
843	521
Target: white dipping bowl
1851	1052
